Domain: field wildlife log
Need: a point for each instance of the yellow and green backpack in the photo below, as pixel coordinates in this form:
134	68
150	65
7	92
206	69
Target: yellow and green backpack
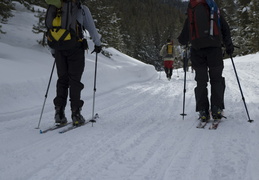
170	49
63	30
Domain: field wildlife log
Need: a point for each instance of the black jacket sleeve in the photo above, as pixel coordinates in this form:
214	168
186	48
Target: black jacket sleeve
225	31
183	38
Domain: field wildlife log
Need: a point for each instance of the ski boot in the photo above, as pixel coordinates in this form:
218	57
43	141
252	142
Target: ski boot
204	115
216	112
204	118
77	118
60	117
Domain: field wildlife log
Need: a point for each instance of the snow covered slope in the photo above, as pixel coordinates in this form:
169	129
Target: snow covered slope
140	134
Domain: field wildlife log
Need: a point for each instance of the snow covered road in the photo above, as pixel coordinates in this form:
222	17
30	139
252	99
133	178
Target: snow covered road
139	135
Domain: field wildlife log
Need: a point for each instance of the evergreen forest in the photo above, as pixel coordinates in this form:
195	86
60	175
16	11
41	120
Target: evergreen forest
139	28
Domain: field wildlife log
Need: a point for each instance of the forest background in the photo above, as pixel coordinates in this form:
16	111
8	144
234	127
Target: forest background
139	28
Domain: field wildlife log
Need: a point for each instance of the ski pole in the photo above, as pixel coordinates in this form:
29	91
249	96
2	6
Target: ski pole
177	65
46	95
160	69
249	120
94	90
184	89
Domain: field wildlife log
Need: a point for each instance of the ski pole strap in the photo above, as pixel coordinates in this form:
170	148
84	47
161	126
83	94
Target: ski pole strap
212	4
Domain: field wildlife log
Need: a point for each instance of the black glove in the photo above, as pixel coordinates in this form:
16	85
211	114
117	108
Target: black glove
97	49
230	49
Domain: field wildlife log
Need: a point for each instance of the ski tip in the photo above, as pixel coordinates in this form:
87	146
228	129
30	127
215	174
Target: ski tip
63	131
41	131
200	127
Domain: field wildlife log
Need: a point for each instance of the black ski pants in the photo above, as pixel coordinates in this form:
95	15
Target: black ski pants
168	72
208	66
70	66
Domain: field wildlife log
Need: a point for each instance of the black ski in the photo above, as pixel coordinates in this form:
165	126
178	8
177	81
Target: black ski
93	120
56	126
74	127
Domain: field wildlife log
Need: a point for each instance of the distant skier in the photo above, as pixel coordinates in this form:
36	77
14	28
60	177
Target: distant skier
204	28
167	52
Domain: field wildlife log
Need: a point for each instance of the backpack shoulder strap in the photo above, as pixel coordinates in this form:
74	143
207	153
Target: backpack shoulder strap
50	15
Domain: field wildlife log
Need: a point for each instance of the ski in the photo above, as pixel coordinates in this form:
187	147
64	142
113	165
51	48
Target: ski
56	126
93	120
215	124
202	125
75	127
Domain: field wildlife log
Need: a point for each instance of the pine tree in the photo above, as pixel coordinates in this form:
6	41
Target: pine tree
107	22
254	19
244	27
40	27
242	16
5	12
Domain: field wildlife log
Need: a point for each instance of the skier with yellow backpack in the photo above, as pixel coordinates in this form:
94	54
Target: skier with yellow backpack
66	21
167	52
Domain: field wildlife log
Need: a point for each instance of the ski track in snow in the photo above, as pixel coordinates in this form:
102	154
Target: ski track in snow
132	139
